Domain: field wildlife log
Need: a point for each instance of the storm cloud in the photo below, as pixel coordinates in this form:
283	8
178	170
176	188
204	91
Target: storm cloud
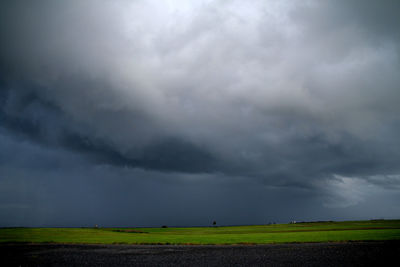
167	112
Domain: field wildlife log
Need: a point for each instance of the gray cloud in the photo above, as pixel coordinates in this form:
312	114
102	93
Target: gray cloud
277	98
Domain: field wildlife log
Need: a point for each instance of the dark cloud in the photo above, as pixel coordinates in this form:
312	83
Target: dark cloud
30	117
219	106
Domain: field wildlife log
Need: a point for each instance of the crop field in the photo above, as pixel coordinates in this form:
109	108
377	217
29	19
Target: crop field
260	234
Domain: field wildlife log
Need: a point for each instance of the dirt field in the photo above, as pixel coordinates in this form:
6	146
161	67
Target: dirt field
384	253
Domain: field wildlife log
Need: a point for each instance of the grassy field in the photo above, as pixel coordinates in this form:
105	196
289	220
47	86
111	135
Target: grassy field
262	234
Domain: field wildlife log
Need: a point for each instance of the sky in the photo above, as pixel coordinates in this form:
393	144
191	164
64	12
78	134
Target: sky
181	113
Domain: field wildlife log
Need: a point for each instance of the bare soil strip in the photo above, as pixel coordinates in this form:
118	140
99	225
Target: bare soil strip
376	253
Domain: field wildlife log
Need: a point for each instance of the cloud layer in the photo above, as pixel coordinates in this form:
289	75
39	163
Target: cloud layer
290	102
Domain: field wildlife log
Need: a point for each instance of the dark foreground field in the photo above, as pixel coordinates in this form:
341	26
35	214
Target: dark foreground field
373	253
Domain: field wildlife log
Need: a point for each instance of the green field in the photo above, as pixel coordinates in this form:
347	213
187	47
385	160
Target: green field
260	234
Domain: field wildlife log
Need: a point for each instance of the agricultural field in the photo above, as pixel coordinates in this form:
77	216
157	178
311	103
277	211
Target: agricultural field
260	234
